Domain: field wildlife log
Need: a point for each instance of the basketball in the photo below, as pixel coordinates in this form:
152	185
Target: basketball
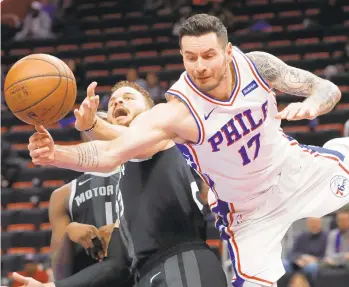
40	89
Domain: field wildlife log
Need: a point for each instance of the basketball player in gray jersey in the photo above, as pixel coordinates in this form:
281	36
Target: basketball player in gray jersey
161	225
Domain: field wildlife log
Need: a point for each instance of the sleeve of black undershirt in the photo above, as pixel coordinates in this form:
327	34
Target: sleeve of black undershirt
111	272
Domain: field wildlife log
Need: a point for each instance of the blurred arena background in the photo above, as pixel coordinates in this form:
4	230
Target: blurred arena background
112	40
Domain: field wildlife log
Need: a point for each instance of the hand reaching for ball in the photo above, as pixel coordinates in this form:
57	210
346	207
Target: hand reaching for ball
41	147
86	114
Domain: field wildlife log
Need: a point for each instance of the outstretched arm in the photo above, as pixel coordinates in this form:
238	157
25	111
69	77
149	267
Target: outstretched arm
62	248
321	94
104	156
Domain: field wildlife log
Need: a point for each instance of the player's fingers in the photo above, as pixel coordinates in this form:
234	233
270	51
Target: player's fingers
84	243
292	112
20	278
103	252
39	152
39	144
283	114
91	89
41	129
89	242
312	114
86	105
95	101
78	114
94	232
36	136
301	114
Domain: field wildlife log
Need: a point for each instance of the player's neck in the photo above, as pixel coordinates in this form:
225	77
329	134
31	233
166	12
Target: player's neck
226	86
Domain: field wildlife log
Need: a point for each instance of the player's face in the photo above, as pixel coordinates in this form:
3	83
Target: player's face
205	60
124	105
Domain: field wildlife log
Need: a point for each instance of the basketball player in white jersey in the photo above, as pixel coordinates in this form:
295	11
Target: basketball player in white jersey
223	112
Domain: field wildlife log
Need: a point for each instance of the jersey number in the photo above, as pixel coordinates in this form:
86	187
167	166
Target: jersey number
109	213
242	151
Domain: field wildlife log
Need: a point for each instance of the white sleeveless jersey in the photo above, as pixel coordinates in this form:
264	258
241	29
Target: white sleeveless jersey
241	146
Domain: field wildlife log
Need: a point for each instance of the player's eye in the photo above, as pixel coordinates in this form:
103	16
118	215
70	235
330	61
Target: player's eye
210	56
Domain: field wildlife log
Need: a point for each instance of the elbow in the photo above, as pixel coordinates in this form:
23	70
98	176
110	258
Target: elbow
338	95
335	93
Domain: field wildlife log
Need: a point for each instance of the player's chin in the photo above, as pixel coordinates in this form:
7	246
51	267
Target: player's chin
123	120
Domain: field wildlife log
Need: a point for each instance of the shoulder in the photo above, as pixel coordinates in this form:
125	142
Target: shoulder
60	196
268	65
179	85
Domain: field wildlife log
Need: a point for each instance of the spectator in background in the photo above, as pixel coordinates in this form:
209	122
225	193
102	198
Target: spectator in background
308	250
36	25
49	6
77	70
331	13
31	269
11	164
337	250
345	58
225	15
153	87
298	280
132	76
3	103
184	14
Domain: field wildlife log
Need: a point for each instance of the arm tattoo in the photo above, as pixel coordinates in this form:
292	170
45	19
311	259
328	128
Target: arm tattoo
296	81
326	97
87	155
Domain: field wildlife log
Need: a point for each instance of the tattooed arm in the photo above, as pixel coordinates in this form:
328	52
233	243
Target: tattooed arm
320	93
105	156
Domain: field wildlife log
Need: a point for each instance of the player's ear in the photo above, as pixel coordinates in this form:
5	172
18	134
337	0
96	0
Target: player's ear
180	51
229	50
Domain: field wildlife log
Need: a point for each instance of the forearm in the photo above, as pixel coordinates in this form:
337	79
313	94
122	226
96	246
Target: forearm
91	156
105	131
325	96
106	273
62	259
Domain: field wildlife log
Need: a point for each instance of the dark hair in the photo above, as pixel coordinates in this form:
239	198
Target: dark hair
201	24
137	87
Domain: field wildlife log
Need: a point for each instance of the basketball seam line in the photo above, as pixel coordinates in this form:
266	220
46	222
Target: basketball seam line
65	97
34	104
40	76
28	58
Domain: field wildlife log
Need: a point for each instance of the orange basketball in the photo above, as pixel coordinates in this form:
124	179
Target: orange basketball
40	89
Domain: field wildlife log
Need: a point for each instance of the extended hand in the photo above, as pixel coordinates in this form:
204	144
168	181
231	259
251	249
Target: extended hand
41	147
86	114
82	234
105	233
298	111
27	281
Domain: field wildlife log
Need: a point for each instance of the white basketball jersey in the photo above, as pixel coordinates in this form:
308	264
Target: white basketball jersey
241	146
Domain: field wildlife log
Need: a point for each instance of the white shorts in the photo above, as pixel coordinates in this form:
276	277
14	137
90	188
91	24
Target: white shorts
311	184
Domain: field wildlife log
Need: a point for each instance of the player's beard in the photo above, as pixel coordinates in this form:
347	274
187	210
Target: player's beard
220	78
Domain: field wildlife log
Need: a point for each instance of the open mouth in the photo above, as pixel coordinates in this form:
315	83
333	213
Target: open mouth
120	112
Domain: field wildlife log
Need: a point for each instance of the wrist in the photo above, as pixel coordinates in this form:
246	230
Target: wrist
93	125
